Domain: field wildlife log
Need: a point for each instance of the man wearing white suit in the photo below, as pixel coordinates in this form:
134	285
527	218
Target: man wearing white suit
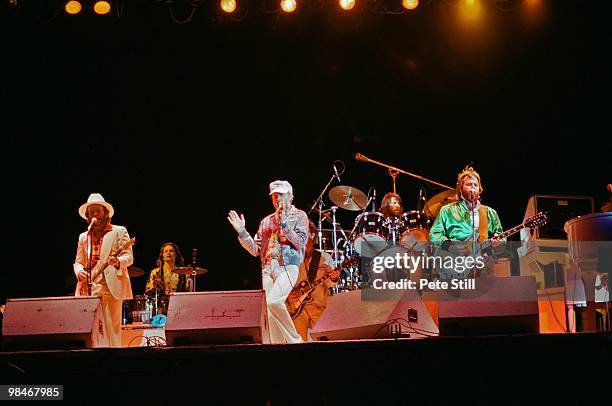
106	250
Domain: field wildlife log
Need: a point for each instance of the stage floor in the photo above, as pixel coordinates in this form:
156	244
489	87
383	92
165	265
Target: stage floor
556	368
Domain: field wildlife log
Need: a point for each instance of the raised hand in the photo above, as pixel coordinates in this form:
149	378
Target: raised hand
236	221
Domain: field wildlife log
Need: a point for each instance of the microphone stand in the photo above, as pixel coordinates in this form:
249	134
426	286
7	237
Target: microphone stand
319	202
361	157
89	253
158	294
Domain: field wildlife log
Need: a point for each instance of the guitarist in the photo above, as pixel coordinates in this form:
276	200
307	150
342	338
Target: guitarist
112	284
460	223
316	264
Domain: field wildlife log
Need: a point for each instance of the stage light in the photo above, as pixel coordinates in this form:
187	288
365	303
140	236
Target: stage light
229	6
288	6
73	7
102	7
410	4
346	4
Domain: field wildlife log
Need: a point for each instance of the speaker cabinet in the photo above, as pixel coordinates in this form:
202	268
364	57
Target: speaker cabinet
53	323
371	313
495	306
558	209
228	317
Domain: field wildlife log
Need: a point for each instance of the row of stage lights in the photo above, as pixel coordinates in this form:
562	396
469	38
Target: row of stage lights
100	7
103	7
289	6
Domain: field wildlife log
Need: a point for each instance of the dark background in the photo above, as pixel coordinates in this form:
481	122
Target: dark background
175	124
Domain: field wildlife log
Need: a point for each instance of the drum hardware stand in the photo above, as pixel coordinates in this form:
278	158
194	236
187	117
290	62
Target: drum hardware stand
334	236
320	203
194	257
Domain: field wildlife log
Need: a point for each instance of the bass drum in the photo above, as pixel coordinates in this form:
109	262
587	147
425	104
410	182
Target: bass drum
401	263
415	234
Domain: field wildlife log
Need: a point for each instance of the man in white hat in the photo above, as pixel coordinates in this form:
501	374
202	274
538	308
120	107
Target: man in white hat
105	250
280	242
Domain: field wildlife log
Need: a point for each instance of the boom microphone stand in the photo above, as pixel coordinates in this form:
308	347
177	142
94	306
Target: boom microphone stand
320	203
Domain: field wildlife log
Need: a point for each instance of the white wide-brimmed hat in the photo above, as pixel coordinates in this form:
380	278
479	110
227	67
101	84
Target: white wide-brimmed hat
280	186
95	198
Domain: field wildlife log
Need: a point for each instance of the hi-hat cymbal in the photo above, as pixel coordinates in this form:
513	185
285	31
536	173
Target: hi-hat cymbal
433	205
135	272
188	270
349	198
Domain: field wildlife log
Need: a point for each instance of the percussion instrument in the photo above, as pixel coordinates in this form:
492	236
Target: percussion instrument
137	310
433	205
370	234
415	230
135	272
189	270
378	267
349	198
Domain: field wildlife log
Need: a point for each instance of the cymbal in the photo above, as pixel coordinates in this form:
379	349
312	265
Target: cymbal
433	205
135	272
347	197
188	270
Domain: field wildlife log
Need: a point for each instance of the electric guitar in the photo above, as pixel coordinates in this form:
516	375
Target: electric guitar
300	294
86	287
483	249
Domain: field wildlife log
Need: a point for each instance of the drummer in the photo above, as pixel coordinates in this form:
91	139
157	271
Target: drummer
167	282
391	205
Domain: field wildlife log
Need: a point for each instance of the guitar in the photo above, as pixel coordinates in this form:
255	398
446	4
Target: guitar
86	287
484	248
300	294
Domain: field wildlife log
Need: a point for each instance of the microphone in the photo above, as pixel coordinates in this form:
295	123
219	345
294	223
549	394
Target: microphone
473	197
421	202
360	157
336	173
374	201
93	221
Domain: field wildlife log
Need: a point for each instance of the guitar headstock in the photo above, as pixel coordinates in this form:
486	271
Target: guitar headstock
536	221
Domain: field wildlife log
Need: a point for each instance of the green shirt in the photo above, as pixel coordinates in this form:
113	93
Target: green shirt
454	222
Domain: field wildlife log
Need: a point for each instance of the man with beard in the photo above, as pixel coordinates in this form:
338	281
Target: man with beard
103	255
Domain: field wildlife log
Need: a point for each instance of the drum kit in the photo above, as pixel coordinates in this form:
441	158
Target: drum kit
375	234
142	309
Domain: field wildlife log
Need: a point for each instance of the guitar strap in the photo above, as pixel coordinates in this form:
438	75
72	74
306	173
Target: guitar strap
313	266
483	226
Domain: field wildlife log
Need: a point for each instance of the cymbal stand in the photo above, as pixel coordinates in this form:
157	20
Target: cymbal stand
334	236
194	257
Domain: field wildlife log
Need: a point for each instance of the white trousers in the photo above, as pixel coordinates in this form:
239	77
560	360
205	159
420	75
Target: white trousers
277	282
111	310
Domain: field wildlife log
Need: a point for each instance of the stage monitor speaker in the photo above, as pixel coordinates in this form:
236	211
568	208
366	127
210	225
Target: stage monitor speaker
495	306
226	317
67	322
372	314
558	209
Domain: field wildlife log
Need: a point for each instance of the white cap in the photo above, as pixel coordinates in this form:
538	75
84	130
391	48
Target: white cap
280	186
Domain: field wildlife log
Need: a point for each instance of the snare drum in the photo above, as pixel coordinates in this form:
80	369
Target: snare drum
371	234
388	269
415	233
